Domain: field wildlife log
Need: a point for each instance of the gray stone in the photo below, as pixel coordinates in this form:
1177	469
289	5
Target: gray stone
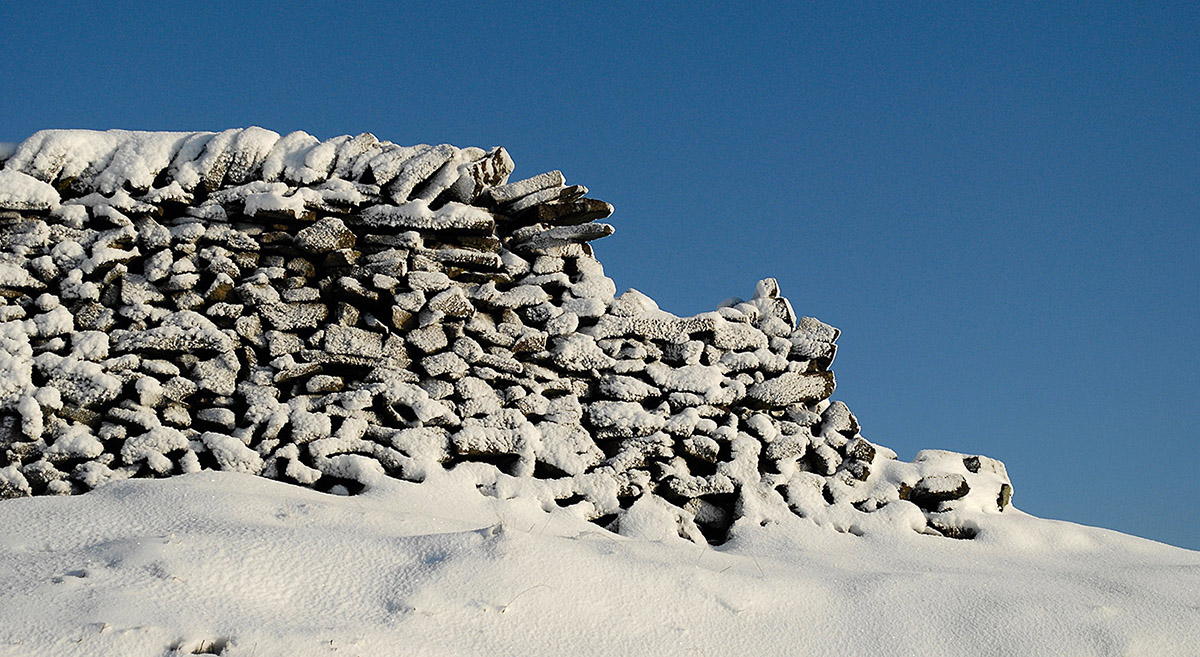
222	417
447	364
737	336
428	339
837	417
425	281
512	191
791	388
932	490
353	341
452	302
293	316
860	450
234	316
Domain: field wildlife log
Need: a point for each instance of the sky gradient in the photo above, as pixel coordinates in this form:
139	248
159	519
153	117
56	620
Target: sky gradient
999	206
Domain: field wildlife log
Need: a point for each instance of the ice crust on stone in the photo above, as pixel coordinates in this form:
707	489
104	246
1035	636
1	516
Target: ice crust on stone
333	312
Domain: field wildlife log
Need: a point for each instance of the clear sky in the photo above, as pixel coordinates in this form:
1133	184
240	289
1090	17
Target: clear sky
998	205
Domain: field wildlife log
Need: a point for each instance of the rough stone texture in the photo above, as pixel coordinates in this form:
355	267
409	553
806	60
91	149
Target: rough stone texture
323	312
327	234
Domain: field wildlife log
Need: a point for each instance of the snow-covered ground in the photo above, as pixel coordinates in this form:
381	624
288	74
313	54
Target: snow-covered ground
218	562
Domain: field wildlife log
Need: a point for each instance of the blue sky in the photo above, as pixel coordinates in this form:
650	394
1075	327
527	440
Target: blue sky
999	205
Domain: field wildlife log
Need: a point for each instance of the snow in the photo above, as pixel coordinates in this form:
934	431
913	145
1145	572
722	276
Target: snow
56	321
340	192
231	453
50	154
242	565
578	352
153	444
274	200
19	191
417	215
521	296
624	418
289	158
80	382
184	330
15	276
700	379
77	441
625	388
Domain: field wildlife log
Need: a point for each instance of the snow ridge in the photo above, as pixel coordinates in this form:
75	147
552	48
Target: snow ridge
333	312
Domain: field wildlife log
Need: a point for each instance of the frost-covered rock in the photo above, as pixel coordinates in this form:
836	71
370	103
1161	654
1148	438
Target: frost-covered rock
328	234
791	388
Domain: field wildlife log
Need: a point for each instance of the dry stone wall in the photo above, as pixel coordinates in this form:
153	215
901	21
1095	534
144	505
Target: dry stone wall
330	312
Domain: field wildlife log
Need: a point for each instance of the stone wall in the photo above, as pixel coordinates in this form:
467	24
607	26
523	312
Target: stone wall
327	313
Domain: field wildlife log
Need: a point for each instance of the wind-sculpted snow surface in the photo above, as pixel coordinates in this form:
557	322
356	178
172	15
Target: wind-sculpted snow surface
332	312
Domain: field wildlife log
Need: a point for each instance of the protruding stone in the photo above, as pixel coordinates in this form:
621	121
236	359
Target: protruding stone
792	388
512	191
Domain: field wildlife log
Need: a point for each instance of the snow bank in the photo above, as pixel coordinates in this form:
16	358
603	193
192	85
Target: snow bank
237	565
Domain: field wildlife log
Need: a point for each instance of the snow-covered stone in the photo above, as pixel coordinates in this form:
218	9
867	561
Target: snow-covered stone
22	192
328	234
512	191
792	387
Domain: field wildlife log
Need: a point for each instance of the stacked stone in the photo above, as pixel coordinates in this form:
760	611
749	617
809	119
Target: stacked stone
330	312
